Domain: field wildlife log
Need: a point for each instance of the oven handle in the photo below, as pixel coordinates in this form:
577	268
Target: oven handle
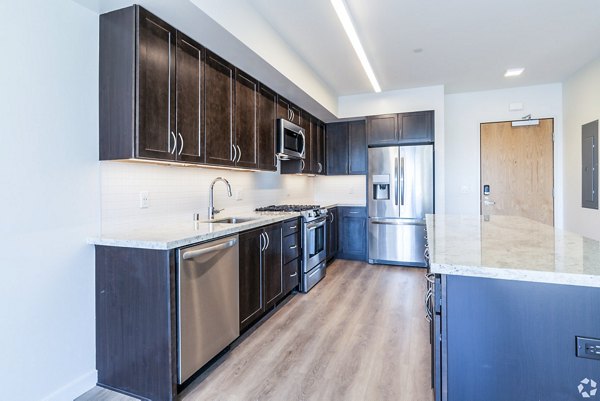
318	223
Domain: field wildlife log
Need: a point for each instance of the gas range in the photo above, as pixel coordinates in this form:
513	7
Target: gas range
308	212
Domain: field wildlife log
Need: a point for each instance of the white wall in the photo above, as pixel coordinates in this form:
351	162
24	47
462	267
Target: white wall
466	111
581	102
426	98
50	198
176	193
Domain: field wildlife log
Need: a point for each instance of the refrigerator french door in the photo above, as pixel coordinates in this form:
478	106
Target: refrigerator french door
400	194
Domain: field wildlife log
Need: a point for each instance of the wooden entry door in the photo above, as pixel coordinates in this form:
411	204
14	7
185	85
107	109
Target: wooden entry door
518	165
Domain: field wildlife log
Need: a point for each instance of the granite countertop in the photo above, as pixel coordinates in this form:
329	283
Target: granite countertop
511	248
178	235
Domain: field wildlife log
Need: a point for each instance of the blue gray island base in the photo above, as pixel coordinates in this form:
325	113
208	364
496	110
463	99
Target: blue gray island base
513	340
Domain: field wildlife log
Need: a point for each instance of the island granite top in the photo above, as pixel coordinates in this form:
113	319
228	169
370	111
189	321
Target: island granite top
511	248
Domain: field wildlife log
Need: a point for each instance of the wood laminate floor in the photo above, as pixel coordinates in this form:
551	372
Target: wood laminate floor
360	334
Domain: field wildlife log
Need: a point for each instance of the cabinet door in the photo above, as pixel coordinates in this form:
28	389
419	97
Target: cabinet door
317	145
296	114
416	127
246	104
218	115
332	233
272	265
189	72
357	144
307	124
291	276
251	277
156	95
353	233
267	114
382	130
337	149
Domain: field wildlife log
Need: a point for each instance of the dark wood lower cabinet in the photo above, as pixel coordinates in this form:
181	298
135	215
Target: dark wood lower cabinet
251	276
291	276
136	321
332	233
352	241
273	265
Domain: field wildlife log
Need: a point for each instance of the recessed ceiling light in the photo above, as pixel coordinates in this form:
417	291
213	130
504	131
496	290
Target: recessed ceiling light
514	72
344	16
418	50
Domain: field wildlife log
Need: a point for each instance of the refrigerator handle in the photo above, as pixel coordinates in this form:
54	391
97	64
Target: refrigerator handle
396	192
402	181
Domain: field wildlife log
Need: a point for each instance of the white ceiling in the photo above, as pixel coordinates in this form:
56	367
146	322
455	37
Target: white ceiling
467	44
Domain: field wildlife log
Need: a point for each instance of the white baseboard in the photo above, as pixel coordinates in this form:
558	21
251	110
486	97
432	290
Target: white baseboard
74	389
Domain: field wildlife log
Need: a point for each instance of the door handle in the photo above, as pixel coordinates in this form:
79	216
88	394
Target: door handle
396	178
402	181
488	202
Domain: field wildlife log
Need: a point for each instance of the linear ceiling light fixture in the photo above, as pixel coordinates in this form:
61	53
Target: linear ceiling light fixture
514	72
344	16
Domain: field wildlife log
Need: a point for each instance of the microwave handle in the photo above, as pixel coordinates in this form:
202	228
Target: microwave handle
303	141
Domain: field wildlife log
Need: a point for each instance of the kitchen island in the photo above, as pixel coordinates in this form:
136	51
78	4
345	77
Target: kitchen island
516	301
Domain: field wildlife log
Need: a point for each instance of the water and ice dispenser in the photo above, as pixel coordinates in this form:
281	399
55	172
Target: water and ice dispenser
381	187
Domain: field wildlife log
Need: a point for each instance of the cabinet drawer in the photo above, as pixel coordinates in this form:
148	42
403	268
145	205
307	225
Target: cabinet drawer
291	276
291	247
291	227
354	211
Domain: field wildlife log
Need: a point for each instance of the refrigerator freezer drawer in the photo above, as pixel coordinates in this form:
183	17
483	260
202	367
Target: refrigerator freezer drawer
396	242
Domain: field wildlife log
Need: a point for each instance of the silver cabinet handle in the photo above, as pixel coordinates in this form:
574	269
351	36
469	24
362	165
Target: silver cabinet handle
263	241
290	114
396	200
234	156
402	181
172	151
320	167
294	275
199	252
429	315
268	241
181	138
353	212
293	246
240	155
302	164
293	227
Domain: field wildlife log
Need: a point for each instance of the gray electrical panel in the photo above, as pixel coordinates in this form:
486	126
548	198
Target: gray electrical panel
589	167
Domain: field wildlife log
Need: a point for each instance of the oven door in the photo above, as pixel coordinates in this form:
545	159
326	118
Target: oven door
315	249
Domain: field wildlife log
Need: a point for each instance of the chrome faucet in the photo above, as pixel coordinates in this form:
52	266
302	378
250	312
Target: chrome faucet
211	207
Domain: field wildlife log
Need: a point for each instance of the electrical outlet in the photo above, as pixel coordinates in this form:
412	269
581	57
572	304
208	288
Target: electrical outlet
144	200
588	348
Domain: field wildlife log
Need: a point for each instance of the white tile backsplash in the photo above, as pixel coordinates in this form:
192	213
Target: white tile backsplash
343	189
176	193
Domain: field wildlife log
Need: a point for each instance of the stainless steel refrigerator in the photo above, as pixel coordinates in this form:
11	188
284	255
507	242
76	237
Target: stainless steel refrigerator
400	194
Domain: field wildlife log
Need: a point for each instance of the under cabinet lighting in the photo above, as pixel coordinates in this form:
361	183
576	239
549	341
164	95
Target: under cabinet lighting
514	72
344	16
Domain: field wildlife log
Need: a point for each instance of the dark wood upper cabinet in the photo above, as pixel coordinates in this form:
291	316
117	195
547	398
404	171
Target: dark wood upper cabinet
337	149
417	127
357	147
156	97
306	123
403	128
273	265
246	105
383	129
218	115
251	277
267	115
189	104
288	111
317	147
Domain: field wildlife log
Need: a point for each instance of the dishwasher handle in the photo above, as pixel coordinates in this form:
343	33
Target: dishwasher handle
194	254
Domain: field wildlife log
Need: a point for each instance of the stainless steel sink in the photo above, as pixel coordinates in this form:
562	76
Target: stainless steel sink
232	220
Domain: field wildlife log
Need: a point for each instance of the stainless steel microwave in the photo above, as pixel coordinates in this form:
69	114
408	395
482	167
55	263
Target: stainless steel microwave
290	140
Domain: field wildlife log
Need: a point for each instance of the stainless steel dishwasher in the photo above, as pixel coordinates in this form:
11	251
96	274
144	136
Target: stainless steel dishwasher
207	302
